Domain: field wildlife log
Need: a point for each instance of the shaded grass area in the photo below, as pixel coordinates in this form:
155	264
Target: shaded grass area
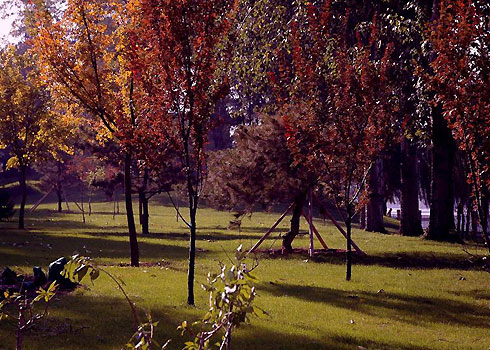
406	294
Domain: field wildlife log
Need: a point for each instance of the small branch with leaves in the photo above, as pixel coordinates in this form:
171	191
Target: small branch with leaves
231	298
143	338
24	314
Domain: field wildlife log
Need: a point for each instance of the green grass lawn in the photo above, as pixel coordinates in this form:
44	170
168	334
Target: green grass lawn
433	297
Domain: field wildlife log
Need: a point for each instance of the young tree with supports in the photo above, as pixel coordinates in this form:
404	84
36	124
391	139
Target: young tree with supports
258	170
83	56
29	127
460	82
338	105
182	49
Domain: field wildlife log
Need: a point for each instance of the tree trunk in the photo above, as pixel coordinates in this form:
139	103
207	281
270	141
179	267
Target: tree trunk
411	223
348	255
144	216
59	187
23	190
459	219
362	219
375	207
295	223
81	202
442	197
463	223
140	205
90	202
19	336
192	254
468	220
143	205
474	224
118	211
133	240
59	194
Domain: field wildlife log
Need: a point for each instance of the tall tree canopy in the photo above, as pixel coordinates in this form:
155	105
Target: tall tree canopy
339	101
83	56
460	81
30	127
181	52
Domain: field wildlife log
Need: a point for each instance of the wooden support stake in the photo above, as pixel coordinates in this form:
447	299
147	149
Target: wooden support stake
317	234
283	215
67	204
78	205
34	207
356	247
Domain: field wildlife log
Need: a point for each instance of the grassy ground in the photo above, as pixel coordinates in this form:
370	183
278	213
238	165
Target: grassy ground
433	297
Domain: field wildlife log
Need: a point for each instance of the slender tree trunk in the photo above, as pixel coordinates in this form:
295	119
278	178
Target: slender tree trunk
140	205
90	202
459	219
81	202
114	207
23	190
411	223
362	219
442	197
474	224
192	253
133	240
348	255
19	335
295	223
59	188
484	208
468	220
59	194
463	223
118	211
143	205
144	215
375	207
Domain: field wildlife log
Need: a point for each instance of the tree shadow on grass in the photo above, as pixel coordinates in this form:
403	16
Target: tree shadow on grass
97	323
479	294
40	249
409	260
47	220
81	322
184	236
415	310
352	342
405	260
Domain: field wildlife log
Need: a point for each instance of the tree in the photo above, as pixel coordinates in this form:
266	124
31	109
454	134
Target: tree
29	126
338	108
459	81
402	24
258	170
410	223
84	57
376	198
182	50
55	176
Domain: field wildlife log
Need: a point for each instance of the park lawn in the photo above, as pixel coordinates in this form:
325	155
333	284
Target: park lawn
431	298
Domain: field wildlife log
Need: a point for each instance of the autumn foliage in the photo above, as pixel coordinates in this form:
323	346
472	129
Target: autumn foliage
180	53
460	82
339	106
